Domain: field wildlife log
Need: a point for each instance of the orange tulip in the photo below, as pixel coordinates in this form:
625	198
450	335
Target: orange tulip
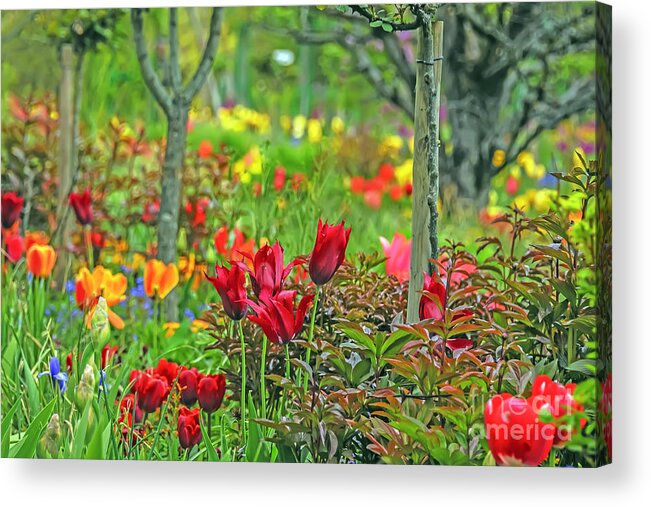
101	282
40	260
160	279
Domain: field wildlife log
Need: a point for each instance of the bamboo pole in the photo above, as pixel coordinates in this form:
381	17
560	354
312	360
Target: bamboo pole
424	223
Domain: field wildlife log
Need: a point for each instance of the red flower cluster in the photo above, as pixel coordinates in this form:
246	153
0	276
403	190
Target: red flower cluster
81	205
240	247
152	387
515	429
196	211
150	211
374	189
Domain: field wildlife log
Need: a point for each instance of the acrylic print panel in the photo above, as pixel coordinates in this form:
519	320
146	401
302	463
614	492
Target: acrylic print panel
353	234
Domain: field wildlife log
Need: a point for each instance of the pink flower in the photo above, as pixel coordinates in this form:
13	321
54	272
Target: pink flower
398	253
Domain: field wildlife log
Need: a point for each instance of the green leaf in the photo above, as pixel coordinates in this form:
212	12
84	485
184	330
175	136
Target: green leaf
97	446
210	448
585	366
80	433
7	419
26	447
387	27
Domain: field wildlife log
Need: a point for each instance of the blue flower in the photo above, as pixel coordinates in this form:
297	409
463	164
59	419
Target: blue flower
70	286
189	314
56	374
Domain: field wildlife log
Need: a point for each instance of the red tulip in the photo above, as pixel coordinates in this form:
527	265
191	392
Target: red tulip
12	205
188	382
210	392
15	246
168	370
268	273
126	406
189	427
230	285
81	206
69	363
152	389
559	400
387	173
328	252
515	433
107	355
280	176
432	302
277	317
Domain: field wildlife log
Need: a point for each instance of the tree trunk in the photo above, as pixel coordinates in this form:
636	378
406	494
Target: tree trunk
170	202
65	162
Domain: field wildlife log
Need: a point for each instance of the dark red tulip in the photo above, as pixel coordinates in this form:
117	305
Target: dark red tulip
268	273
168	370
559	400
188	382
69	363
277	317
189	427
107	355
210	392
515	433
328	252
230	285
126	406
81	206
12	205
152	389
15	247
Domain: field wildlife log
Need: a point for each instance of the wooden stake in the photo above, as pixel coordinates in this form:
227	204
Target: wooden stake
424	222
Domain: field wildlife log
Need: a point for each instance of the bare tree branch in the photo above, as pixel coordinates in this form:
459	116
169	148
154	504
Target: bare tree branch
150	77
207	58
175	67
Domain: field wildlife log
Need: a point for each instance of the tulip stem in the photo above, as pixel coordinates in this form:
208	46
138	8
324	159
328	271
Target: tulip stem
89	246
310	337
243	394
287	375
263	368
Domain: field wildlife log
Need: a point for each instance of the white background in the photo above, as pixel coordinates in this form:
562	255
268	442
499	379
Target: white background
627	482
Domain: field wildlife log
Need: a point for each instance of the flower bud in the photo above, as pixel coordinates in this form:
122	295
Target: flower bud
100	329
86	388
52	436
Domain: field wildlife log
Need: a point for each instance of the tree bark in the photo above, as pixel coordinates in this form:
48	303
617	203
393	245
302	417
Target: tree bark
170	202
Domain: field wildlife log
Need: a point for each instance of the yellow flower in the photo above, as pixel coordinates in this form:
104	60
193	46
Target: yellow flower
199	325
391	146
314	131
499	157
298	126
337	125
170	328
404	172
